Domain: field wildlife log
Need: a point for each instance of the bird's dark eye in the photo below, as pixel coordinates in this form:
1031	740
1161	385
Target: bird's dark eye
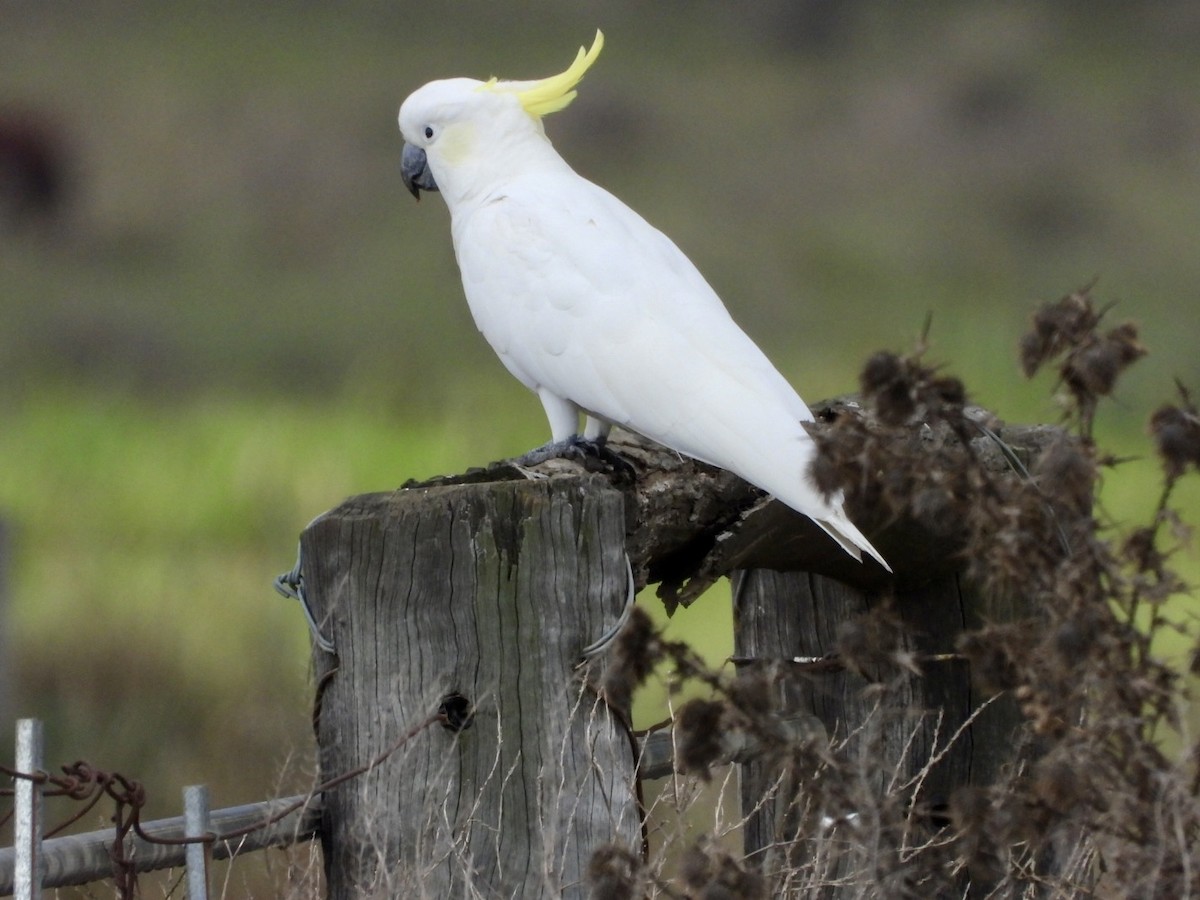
428	132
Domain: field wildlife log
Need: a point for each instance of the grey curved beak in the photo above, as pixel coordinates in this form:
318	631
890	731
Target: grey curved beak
414	169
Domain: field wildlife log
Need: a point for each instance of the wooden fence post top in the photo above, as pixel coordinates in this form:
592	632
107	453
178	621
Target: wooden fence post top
689	524
503	475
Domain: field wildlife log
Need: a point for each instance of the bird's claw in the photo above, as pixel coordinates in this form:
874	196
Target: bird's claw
568	449
591	454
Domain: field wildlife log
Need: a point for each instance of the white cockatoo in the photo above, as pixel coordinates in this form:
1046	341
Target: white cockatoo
591	307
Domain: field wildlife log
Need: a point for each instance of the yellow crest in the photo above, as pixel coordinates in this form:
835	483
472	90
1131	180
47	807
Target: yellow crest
539	98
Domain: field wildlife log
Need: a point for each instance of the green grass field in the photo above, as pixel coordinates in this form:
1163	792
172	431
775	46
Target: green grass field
242	317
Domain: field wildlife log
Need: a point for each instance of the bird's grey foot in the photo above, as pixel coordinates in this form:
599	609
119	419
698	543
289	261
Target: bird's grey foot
582	450
574	448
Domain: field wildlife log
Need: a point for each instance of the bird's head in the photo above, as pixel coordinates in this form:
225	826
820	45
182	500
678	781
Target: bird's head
458	131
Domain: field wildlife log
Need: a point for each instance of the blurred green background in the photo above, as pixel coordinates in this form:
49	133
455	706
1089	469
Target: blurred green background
233	315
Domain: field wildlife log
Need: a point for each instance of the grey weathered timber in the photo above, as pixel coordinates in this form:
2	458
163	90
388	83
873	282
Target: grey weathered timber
930	731
489	593
790	615
427	592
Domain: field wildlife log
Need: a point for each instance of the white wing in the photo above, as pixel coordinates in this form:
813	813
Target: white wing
582	297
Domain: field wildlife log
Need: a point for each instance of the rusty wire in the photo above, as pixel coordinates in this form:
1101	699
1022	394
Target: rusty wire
83	782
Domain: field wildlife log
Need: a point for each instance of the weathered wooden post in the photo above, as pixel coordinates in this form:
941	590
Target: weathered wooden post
478	600
931	732
476	594
794	616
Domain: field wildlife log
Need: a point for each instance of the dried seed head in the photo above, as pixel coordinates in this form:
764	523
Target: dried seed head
698	736
694	868
710	873
1066	474
1176	433
887	383
613	873
880	372
1056	327
1033	352
1125	343
636	651
949	391
1093	368
825	472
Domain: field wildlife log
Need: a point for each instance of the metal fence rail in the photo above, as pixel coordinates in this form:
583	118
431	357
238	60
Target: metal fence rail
33	864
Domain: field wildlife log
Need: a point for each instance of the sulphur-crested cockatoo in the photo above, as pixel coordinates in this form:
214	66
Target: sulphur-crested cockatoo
592	308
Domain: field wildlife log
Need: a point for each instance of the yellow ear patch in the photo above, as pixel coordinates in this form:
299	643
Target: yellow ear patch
540	98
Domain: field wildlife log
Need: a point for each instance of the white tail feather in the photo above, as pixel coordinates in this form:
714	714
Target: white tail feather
849	538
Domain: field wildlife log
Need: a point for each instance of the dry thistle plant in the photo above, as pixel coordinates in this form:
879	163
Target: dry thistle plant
1091	805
